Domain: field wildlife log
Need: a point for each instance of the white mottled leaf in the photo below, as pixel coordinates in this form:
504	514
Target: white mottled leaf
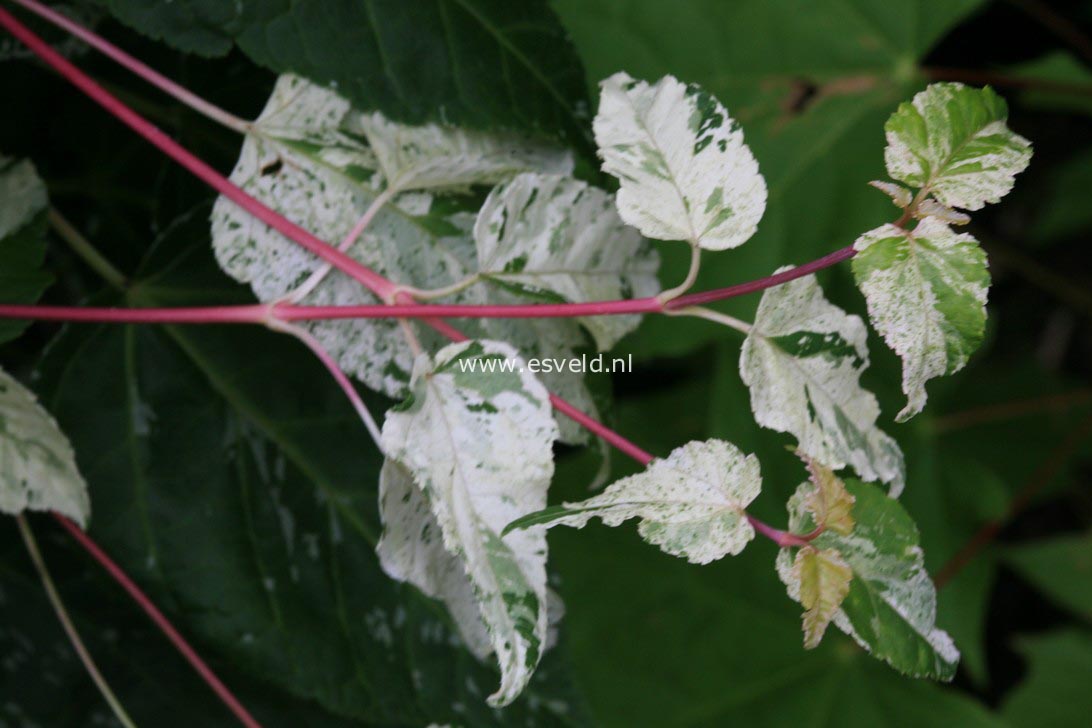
685	172
556	239
931	208
37	466
803	361
478	442
691	504
952	140
890	609
926	291
899	195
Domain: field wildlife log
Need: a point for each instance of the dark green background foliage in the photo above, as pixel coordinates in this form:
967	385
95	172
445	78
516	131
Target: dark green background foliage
231	480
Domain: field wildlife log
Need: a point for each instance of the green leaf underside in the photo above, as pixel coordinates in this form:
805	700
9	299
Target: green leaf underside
548	236
952	140
926	291
802	361
691	503
684	170
890	609
478	446
23	204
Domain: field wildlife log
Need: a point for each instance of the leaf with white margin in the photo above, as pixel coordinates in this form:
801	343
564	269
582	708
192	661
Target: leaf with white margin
556	239
23	205
37	466
891	606
926	291
478	442
306	158
802	361
685	172
952	140
691	504
822	580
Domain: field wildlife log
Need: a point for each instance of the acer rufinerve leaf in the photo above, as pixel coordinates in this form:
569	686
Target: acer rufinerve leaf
23	204
478	442
553	238
891	606
802	361
37	466
952	141
926	290
823	580
684	170
306	159
691	504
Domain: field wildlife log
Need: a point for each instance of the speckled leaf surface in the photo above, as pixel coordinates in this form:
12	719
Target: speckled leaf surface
952	140
890	609
926	291
802	362
478	443
691	503
37	465
684	170
23	204
553	238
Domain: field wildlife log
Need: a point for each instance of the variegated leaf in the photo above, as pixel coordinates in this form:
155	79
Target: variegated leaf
691	504
899	195
37	466
926	291
552	238
890	609
823	580
829	503
952	140
23	205
803	361
477	440
685	172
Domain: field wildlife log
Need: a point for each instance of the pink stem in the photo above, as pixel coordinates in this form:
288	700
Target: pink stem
779	537
160	621
252	314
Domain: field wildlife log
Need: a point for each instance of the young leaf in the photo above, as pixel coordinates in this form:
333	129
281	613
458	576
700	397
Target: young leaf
552	238
691	503
926	291
952	140
829	503
823	579
23	205
803	361
890	609
37	466
899	195
685	172
477	440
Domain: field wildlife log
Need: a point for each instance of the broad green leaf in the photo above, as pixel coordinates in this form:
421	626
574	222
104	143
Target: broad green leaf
823	579
1055	693
23	206
552	238
684	170
829	503
37	466
478	442
803	361
489	64
691	504
891	606
952	141
926	291
1060	567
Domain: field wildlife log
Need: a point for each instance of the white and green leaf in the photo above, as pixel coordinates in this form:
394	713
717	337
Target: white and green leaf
556	239
691	504
890	609
952	140
477	441
926	291
684	170
37	466
23	206
802	361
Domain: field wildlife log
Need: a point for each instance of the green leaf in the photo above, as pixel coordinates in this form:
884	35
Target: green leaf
23	206
477	441
684	170
37	466
481	63
551	238
822	580
802	361
691	504
952	141
1055	694
1060	567
891	606
926	291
